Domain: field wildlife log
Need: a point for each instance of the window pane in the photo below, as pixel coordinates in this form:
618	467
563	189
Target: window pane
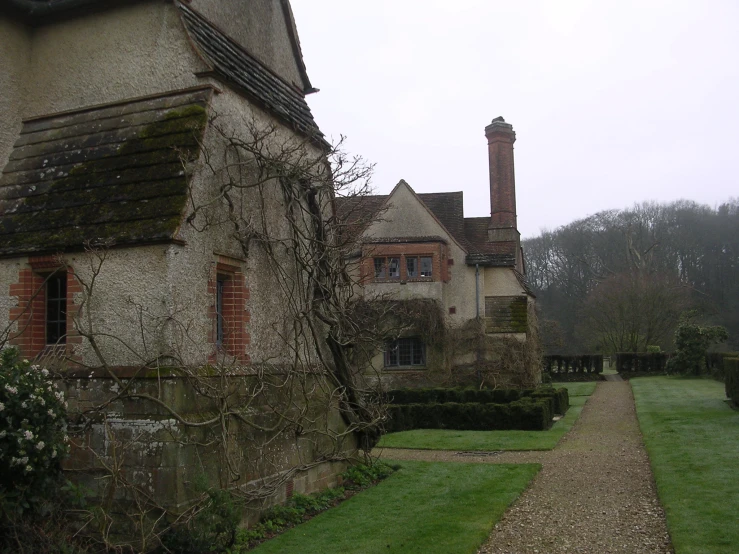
391	354
379	268
405	351
426	266
418	352
394	268
56	309
411	267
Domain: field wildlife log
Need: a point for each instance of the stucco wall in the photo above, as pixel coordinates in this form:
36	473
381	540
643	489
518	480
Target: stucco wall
106	56
14	61
260	27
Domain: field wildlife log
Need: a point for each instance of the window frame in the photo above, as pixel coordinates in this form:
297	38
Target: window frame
392	350
58	302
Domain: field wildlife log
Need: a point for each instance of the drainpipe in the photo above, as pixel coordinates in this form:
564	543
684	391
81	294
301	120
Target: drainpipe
477	290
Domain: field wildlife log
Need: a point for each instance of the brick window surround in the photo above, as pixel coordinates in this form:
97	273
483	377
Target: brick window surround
30	312
229	316
375	253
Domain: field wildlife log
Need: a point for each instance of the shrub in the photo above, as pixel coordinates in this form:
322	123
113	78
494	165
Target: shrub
584	363
33	436
692	342
731	375
560	396
212	529
525	414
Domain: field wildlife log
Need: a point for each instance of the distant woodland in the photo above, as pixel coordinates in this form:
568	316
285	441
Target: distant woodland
620	280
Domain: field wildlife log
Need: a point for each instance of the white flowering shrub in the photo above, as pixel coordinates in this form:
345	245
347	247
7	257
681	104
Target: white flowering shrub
33	436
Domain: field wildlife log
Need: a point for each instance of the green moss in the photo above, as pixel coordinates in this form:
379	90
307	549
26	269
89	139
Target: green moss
519	315
114	195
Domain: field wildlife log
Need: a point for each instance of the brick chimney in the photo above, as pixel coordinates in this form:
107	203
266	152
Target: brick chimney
501	136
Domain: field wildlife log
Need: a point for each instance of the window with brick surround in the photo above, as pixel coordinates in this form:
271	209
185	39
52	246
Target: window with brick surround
228	311
405	352
43	316
387	268
56	308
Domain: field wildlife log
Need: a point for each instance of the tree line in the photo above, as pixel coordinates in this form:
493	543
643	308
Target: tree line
621	280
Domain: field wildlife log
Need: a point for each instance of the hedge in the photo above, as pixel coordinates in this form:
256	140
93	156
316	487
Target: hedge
482	396
653	362
526	414
560	396
731	376
584	363
715	363
461	396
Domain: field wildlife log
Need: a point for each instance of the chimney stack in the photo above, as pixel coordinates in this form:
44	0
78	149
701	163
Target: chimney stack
501	137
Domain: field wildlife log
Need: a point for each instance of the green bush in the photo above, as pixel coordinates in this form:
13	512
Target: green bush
525	414
691	343
213	529
560	396
652	362
731	376
33	436
461	396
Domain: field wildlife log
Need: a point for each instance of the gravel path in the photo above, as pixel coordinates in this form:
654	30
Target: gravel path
595	492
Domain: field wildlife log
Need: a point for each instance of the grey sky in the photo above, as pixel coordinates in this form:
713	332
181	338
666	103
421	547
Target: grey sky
613	102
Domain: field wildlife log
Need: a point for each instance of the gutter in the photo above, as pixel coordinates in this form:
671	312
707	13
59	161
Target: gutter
477	290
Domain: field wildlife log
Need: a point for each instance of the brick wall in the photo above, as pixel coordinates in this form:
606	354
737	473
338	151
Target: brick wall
236	338
30	311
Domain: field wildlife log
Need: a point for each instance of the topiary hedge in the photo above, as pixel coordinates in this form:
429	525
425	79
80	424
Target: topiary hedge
561	398
532	414
482	396
731	379
441	396
653	362
583	363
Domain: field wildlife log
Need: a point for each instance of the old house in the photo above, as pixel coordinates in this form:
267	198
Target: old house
140	219
470	270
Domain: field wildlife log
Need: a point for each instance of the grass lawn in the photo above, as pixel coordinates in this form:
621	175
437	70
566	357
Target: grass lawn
424	508
692	437
577	389
445	439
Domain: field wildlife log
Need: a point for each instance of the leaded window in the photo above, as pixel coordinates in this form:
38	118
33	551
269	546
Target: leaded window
406	352
56	309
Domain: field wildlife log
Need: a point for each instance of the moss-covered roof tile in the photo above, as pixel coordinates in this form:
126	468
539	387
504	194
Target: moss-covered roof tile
114	174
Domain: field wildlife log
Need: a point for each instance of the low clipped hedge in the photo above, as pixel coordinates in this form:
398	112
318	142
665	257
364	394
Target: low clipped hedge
530	414
461	396
481	396
561	398
731	379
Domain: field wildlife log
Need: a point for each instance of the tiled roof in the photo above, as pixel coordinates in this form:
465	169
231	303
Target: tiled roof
112	173
470	232
484	252
233	64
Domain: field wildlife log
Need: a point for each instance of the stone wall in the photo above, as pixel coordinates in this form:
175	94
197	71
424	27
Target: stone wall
138	450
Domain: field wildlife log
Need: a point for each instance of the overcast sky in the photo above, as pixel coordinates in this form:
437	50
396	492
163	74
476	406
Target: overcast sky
613	102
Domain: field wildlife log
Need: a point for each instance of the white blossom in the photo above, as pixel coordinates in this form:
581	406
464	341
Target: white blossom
2	406
24	404
51	413
29	469
40	445
11	389
53	453
28	435
3	433
44	372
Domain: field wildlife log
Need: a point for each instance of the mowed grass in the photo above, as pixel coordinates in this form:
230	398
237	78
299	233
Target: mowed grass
692	437
445	439
424	508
